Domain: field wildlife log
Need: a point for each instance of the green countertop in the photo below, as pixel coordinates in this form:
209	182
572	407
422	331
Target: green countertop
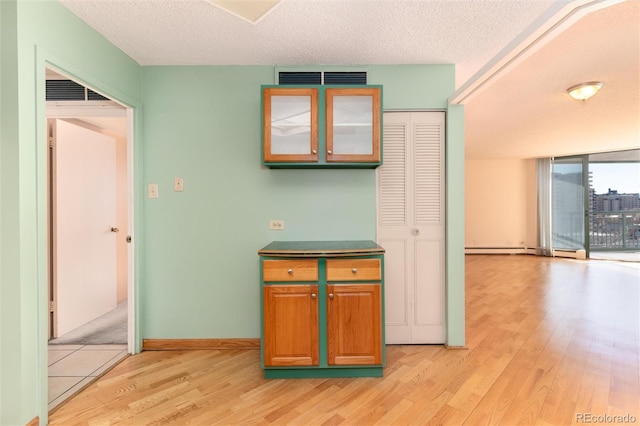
320	248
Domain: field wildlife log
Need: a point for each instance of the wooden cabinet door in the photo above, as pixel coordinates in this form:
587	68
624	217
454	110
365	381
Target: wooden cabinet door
290	325
290	120
354	324
352	125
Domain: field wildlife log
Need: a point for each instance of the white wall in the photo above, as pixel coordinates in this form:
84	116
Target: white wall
500	203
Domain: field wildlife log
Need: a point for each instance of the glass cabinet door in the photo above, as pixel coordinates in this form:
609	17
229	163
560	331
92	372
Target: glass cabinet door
353	125
290	131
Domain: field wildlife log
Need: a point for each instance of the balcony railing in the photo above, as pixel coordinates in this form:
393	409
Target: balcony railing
614	230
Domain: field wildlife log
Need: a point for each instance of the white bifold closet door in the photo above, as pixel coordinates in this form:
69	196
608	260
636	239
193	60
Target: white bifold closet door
411	226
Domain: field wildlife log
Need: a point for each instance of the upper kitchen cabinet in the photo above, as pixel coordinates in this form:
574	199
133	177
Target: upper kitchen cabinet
290	125
353	125
321	126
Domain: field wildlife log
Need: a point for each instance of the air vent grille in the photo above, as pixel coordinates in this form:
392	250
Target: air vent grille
64	90
68	90
350	77
322	77
285	78
93	96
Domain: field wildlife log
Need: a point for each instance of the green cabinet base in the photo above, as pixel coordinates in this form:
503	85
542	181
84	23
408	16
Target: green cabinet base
314	373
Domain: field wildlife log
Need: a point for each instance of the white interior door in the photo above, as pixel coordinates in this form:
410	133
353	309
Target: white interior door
84	197
411	226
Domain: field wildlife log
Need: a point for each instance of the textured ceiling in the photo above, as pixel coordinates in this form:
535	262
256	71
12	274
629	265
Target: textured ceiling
538	117
522	113
300	32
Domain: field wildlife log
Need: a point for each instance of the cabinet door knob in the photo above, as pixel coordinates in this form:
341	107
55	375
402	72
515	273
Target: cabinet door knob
289	271
114	229
330	295
314	151
329	152
354	270
313	295
416	232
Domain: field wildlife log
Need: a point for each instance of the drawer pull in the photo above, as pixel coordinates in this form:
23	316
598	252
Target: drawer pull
354	270
290	271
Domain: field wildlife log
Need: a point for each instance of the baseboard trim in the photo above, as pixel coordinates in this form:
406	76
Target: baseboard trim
455	347
188	344
34	422
496	250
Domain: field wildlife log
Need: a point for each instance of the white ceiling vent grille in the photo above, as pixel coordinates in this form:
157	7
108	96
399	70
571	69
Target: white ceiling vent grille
322	77
68	90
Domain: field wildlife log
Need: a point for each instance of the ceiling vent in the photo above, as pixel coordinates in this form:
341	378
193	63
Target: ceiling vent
68	90
322	77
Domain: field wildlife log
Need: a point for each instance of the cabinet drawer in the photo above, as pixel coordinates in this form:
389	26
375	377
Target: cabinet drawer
290	270
353	269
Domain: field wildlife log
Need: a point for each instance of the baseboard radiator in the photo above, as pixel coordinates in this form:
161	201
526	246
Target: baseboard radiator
573	254
499	250
536	251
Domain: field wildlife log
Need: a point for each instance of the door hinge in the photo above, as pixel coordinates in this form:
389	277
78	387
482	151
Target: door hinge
52	306
50	142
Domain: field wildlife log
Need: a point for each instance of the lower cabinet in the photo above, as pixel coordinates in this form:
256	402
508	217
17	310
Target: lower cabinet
322	317
354	335
290	325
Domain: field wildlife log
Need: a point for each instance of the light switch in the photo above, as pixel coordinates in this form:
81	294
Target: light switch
152	190
178	184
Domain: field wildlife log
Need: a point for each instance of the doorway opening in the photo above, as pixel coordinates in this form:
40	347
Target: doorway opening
90	308
596	205
614	205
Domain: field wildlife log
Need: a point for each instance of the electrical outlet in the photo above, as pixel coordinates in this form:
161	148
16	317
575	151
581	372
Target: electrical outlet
276	225
152	190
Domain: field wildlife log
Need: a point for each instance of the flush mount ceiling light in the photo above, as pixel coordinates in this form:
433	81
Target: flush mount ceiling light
584	91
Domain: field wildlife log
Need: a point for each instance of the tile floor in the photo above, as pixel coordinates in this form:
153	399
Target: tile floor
72	367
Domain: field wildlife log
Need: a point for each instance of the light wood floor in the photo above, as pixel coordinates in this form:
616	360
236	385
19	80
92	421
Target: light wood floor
549	340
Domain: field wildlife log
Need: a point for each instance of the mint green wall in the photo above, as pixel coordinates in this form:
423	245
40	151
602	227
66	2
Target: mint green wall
201	262
203	124
35	33
10	373
195	251
455	292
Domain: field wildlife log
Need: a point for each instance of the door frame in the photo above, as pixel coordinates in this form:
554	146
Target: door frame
76	110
